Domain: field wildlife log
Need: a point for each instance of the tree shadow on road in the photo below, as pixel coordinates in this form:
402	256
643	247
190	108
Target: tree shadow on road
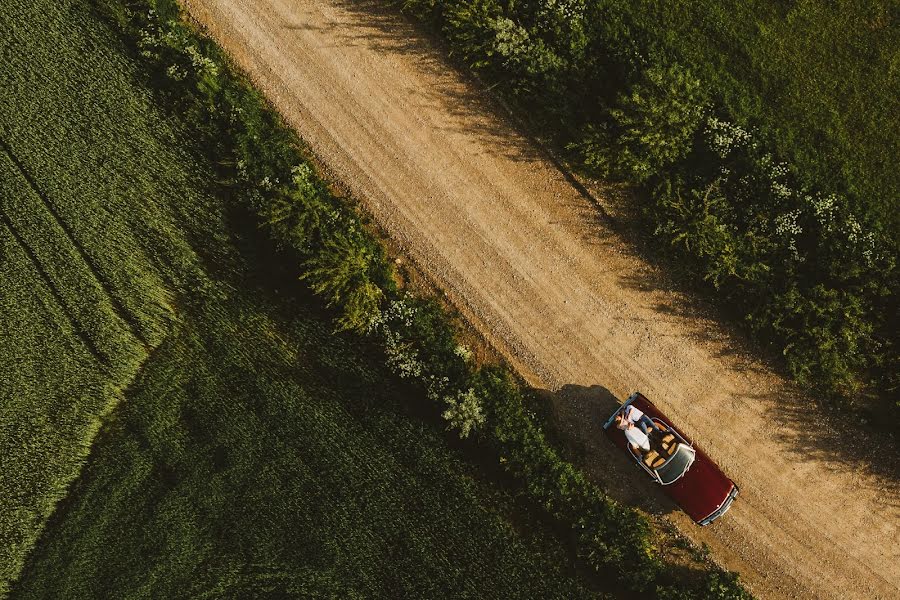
474	111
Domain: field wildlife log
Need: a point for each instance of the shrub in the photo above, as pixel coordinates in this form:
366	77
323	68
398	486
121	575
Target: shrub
470	28
464	412
296	215
701	223
651	127
342	272
714	586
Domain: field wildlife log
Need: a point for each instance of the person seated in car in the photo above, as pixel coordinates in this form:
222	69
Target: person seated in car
631	414
637	439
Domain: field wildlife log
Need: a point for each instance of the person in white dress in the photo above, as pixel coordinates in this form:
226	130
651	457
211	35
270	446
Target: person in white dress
637	439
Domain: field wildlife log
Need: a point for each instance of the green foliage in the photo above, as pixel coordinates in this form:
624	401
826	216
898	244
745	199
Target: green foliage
715	586
835	338
341	272
464	412
608	536
651	127
470	27
532	65
258	454
298	214
699	222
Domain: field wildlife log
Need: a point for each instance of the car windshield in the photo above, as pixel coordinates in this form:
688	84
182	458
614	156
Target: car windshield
677	464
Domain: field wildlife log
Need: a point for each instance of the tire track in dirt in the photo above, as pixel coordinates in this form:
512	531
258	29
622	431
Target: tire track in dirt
523	255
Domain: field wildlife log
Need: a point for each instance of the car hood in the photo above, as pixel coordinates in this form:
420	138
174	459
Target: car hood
701	490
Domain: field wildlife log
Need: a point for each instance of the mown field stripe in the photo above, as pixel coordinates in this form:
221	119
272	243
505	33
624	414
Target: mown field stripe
104	284
57	296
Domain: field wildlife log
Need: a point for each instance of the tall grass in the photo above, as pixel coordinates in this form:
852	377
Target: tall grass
89	259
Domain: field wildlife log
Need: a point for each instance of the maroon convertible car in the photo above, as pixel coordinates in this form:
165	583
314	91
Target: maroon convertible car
686	473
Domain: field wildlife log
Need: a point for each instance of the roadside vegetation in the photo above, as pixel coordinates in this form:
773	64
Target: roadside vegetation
257	452
761	139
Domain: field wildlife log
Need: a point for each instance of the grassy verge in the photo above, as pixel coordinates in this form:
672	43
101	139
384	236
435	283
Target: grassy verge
346	265
768	172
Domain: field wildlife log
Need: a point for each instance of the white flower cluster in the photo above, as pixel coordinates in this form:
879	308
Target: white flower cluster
724	137
786	224
155	37
464	412
148	42
568	10
787	227
302	174
176	72
203	64
236	114
511	40
825	209
781	190
402	359
464	408
304	178
852	229
463	352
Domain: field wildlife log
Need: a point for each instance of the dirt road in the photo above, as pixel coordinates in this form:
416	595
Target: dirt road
534	265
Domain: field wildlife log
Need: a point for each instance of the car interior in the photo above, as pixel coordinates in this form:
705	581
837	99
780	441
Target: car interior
662	445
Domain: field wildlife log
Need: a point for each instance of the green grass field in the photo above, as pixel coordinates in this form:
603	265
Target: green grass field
176	420
89	258
258	454
822	78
